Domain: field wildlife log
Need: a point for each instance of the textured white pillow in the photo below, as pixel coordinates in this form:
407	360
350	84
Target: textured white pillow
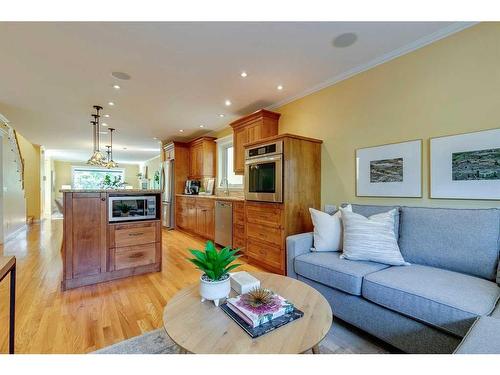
371	238
327	230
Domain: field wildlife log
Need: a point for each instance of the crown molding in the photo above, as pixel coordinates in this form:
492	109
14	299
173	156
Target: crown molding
419	43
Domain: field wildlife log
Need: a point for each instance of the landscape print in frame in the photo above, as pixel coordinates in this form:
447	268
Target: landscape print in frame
466	166
392	170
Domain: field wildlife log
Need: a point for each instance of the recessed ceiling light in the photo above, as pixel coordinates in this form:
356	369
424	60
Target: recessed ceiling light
124	148
103	132
181	130
345	40
221	115
243	74
121	75
106	115
116	87
104	124
279	87
227	102
155	138
111	104
202	126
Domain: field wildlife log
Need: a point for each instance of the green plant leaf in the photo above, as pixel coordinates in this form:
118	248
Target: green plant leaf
231	267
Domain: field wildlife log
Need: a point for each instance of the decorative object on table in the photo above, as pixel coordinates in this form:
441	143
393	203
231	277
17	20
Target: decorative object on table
260	311
327	230
371	238
156	180
466	166
215	265
243	282
393	170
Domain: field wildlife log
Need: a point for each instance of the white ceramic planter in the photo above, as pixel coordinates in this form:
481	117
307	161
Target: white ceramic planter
214	290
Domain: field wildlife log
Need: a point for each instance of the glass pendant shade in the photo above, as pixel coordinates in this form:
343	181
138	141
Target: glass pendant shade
97	158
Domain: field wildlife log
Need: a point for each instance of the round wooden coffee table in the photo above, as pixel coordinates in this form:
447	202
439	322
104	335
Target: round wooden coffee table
201	327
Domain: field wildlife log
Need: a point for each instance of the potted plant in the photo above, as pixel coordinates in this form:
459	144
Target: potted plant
124	208
215	265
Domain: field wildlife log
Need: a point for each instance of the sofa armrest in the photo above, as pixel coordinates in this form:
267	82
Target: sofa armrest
296	245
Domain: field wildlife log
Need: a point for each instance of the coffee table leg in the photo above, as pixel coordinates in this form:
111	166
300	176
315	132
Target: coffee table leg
183	351
315	349
12	309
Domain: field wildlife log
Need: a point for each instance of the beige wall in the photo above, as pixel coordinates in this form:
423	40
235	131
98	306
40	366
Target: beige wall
32	180
152	165
62	174
449	87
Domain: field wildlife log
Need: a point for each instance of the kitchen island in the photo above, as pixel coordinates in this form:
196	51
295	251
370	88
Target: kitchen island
110	234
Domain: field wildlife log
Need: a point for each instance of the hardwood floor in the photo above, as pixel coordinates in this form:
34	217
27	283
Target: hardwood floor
88	318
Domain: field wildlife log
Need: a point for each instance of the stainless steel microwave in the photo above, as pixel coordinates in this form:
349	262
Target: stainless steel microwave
264	172
129	208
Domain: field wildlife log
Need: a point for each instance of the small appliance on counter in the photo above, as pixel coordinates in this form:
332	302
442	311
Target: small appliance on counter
192	187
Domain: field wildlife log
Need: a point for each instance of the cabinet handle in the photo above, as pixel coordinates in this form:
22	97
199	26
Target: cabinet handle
103	199
136	234
135	255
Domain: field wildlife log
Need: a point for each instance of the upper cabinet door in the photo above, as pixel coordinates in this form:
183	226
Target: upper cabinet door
202	158
255	127
240	137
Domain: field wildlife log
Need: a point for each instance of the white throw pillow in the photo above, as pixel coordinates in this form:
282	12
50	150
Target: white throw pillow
327	230
371	238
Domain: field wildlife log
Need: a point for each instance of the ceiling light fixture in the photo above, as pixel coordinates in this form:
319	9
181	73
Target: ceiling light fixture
97	157
104	124
345	40
279	87
111	104
106	115
121	75
181	130
227	102
221	115
244	74
111	163
116	87
202	126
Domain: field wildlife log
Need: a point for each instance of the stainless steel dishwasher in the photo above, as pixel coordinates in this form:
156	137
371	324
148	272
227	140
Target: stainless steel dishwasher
224	223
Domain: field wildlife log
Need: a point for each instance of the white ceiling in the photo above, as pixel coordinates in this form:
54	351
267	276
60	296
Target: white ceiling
52	73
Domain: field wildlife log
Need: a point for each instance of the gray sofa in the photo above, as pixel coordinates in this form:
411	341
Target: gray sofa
428	306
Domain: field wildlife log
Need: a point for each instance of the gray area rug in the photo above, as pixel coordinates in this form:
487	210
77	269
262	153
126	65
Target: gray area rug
341	339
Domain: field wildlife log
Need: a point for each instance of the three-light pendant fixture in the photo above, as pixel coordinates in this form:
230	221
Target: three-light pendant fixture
98	158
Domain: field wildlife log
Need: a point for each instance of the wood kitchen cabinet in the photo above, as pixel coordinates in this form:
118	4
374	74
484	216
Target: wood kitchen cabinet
202	158
95	250
251	128
84	234
196	215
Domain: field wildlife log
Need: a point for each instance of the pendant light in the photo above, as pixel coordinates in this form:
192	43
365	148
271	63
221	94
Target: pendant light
97	158
111	163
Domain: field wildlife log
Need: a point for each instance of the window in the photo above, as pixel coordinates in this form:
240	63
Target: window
225	152
94	178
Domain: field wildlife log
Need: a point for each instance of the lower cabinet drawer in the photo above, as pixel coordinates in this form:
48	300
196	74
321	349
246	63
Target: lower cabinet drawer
265	253
135	256
135	235
264	233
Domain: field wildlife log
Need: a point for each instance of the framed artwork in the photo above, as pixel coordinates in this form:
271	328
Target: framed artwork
393	170
466	166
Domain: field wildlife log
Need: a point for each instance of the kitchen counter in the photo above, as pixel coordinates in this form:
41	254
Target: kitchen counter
215	197
114	191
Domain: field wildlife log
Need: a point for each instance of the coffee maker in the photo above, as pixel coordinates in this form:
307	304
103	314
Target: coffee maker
192	187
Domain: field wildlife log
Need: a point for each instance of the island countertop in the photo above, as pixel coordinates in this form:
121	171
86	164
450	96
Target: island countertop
113	191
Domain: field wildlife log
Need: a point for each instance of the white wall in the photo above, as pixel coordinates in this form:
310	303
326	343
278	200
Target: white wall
12	199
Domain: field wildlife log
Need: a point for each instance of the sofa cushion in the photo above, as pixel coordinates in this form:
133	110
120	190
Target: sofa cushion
329	269
461	240
482	338
368	210
445	299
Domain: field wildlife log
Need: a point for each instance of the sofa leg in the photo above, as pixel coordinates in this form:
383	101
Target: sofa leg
315	349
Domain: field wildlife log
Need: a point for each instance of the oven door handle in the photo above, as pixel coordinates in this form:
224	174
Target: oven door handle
264	159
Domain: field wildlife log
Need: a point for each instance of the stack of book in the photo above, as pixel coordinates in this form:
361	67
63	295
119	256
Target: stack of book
260	311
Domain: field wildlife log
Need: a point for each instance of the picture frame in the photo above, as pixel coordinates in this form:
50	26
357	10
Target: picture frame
390	170
466	166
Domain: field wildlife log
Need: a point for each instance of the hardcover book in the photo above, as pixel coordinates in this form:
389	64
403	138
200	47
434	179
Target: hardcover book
264	328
